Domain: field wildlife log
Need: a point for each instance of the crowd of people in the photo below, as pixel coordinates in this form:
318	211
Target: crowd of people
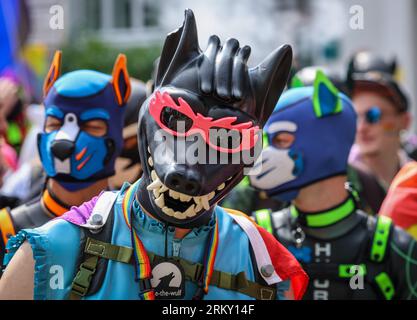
326	209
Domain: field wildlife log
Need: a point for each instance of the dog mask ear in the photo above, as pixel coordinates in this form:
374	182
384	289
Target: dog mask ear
120	80
269	79
326	99
53	73
180	47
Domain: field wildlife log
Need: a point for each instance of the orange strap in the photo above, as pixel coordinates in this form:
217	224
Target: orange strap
51	205
240	213
6	225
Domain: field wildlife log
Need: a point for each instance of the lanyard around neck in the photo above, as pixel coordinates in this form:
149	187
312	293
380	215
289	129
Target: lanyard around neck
143	266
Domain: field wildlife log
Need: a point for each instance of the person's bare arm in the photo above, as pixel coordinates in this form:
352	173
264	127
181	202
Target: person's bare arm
17	280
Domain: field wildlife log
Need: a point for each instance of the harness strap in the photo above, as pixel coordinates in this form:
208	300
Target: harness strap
262	257
101	211
96	249
345	270
82	280
380	240
335	271
224	280
385	285
108	251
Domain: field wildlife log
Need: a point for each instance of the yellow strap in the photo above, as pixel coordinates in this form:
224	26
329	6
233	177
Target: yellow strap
413	231
240	213
6	225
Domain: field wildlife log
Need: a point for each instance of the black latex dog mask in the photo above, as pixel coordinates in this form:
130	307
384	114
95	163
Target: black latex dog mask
197	93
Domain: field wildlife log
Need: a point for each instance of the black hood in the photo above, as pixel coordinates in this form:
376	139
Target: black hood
215	86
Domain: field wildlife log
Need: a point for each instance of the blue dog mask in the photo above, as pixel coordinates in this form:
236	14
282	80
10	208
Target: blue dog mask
323	123
70	155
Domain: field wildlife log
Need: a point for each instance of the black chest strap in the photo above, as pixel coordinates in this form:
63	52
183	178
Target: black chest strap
92	269
380	229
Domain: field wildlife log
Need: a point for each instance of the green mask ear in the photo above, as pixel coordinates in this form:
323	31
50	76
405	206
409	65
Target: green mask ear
326	99
296	83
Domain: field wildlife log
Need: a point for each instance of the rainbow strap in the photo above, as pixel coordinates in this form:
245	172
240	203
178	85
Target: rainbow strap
211	257
143	265
127	203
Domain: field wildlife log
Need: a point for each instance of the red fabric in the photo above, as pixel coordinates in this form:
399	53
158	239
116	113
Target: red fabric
10	156
400	203
285	264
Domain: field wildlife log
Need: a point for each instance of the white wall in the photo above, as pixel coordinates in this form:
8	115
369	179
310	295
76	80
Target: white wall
40	18
389	29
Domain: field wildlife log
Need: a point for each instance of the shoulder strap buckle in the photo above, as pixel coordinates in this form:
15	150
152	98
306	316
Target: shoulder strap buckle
267	293
145	285
108	251
100	212
82	280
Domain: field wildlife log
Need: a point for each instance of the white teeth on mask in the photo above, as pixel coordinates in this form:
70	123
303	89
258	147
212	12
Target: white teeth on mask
190	212
198	207
174	194
185	198
156	193
158	189
156	184
150	161
160	201
205	202
179	215
149	150
154	176
168	211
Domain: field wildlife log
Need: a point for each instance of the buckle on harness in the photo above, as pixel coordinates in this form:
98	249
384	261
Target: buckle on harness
198	272
266	294
95	248
82	280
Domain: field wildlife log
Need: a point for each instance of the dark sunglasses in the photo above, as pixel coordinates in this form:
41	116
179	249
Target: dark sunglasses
373	115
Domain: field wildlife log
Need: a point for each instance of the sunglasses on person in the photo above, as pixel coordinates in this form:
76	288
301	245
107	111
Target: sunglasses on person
373	115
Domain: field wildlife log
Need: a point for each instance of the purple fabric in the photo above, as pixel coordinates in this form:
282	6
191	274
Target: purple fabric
79	215
10	75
